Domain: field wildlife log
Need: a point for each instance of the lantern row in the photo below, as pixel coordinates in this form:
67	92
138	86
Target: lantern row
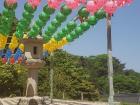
67	34
72	31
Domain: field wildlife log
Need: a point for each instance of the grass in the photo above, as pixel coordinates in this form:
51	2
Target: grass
129	104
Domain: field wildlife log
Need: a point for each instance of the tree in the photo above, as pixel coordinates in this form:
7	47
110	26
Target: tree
12	80
69	77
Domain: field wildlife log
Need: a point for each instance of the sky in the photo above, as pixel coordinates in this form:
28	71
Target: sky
125	34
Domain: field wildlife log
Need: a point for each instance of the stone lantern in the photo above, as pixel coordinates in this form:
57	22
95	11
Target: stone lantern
33	54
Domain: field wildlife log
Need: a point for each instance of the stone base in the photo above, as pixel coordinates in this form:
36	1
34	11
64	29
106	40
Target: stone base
34	101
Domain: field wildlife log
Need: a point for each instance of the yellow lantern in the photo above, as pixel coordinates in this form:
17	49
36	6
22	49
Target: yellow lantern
21	47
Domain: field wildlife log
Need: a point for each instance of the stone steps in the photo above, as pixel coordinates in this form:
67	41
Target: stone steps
9	101
44	101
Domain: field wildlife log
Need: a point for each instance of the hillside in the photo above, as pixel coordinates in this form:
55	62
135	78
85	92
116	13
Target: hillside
73	75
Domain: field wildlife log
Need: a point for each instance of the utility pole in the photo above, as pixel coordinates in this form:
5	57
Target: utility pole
51	76
110	62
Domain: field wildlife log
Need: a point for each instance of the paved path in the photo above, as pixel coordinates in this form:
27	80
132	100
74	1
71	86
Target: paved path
14	101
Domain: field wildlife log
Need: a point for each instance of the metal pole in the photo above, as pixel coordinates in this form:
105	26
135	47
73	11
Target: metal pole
51	76
110	62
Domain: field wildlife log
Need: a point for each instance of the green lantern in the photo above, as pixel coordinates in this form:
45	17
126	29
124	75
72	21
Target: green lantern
19	34
85	26
36	28
73	34
27	15
69	38
55	22
40	23
65	10
24	22
71	25
100	14
48	10
5	31
28	8
48	33
46	38
92	20
65	30
21	26
83	12
51	28
43	16
61	34
57	37
78	30
60	17
32	33
6	12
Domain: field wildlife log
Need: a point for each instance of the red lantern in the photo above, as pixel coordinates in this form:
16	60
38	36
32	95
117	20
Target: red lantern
4	60
12	60
20	60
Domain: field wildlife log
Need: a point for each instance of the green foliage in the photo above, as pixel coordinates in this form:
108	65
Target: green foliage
69	78
12	80
128	104
125	81
72	75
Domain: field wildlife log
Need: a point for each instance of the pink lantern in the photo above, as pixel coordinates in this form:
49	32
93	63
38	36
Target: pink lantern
54	3
91	7
34	3
129	1
100	3
4	60
72	3
110	7
11	2
81	1
120	3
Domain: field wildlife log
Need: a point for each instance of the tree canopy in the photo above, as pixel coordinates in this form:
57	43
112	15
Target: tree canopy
72	75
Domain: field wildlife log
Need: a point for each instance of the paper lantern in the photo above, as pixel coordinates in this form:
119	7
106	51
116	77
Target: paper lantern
55	22
100	14
43	16
46	38
73	34
57	37
48	10
28	8
27	15
71	25
40	23
21	47
83	12
60	17
91	7
69	38
61	34
110	7
65	30
4	60
34	3
10	2
72	4
12	60
78	30
92	20
100	3
85	26
66	10
53	3
52	28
